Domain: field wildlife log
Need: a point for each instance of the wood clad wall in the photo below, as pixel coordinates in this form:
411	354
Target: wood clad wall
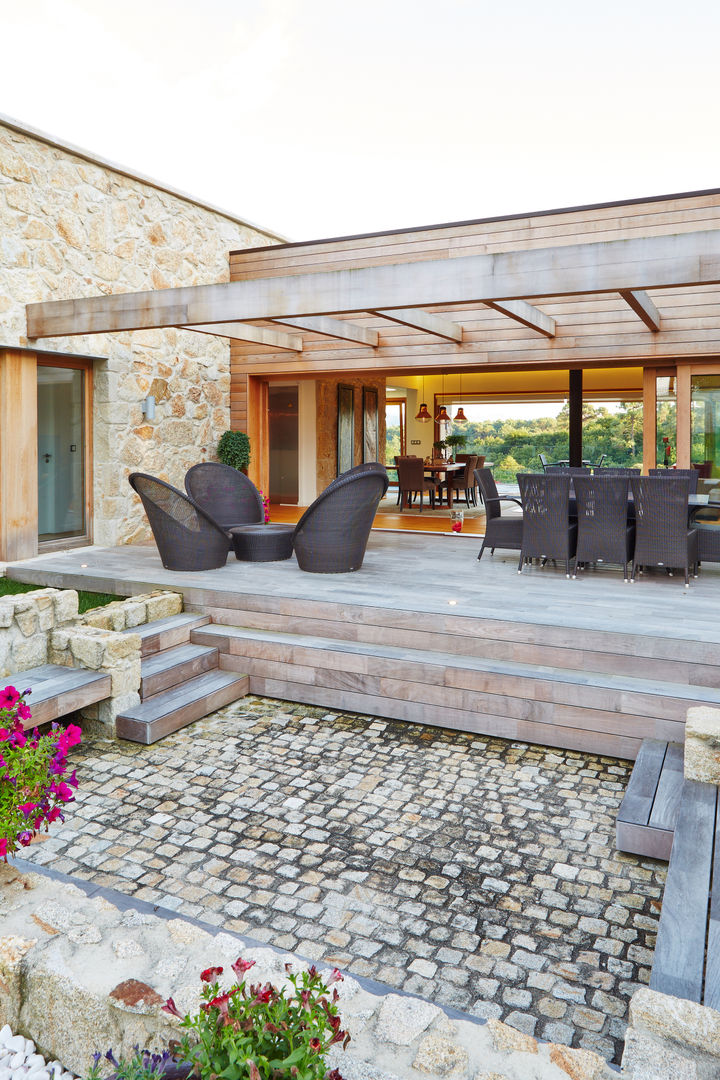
18	455
590	330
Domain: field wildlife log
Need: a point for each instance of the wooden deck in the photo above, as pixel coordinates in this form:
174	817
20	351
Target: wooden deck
426	633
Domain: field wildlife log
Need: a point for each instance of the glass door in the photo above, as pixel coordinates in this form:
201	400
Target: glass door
61	452
705	426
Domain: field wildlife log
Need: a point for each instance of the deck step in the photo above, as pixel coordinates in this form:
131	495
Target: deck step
162	670
181	705
163	634
592	711
58	691
645	823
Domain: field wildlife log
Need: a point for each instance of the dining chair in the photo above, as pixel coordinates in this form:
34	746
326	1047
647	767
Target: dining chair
662	536
462	482
689	474
616	470
548	532
604	533
411	481
500	532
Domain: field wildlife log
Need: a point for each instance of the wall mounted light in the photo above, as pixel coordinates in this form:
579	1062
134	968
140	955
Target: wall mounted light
148	407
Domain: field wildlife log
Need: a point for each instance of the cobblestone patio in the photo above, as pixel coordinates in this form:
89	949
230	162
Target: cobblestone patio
475	872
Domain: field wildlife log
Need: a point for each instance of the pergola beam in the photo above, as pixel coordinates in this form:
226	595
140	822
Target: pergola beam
653	262
643	307
424	320
256	334
335	328
526	314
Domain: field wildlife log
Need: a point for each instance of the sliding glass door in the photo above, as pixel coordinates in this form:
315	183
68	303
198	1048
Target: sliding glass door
61	405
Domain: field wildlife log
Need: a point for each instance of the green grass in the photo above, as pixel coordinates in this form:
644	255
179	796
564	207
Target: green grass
86	600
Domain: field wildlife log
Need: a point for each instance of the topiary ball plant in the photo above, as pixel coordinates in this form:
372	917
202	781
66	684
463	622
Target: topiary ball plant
234	449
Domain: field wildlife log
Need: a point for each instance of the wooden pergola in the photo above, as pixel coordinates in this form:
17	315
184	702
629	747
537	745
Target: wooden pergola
652	298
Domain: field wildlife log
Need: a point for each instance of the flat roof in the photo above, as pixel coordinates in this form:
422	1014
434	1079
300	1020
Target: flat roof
482	220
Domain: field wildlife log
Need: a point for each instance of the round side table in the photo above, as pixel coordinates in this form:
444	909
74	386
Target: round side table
262	543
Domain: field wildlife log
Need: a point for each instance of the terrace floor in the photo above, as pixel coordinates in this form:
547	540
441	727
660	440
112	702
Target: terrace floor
475	872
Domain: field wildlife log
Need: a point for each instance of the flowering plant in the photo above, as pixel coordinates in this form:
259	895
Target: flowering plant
266	506
32	790
260	1033
143	1065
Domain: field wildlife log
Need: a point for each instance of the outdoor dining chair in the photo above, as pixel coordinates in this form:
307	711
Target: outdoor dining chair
662	536
463	482
548	533
604	533
332	534
224	493
187	538
500	532
691	475
411	481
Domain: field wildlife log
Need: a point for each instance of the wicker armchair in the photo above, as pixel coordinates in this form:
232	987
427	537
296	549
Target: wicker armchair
411	481
616	470
186	537
604	534
225	494
692	475
332	535
548	532
662	536
500	532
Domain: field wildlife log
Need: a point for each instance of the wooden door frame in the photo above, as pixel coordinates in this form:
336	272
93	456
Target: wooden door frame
683	374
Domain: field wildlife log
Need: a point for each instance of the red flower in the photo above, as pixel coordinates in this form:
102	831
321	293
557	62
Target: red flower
171	1007
241	966
9	697
315	1044
210	974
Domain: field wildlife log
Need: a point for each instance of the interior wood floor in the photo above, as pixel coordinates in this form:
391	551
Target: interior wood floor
394	522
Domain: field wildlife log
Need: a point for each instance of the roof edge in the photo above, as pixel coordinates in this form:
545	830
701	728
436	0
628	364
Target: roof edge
132	174
483	220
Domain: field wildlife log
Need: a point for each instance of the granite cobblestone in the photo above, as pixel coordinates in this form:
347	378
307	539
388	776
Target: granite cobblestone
472	871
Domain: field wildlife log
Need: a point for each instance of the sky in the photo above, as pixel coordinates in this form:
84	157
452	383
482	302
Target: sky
320	118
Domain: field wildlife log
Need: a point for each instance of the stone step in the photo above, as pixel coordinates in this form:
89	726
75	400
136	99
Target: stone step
162	670
58	691
589	711
549	643
181	705
163	634
645	823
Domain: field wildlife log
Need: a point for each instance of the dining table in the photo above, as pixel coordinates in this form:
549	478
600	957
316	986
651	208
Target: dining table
444	469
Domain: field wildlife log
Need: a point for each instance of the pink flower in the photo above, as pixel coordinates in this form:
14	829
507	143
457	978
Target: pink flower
210	974
18	738
4	734
9	697
3	846
171	1007
335	976
63	791
241	966
27	808
24	712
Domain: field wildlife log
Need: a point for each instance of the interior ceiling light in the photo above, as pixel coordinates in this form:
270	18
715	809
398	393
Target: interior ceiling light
442	413
422	414
460	417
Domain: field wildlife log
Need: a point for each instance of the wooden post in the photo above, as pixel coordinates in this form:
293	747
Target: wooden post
575	401
682	417
649	418
257	429
18	455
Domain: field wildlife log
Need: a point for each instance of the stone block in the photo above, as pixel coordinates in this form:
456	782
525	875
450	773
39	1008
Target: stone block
89	651
7	614
125	676
66	606
163	605
686	1023
12	951
702	744
121	646
30	653
441	1057
402	1019
649	1059
109	709
27	622
135	612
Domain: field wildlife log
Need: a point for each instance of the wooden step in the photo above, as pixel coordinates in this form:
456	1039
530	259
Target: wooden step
645	823
165	633
162	670
588	711
180	706
58	691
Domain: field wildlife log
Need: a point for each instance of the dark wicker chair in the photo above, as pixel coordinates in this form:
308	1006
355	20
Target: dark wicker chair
616	470
332	535
186	537
662	536
548	532
708	535
691	475
411	481
500	532
225	494
604	534
568	470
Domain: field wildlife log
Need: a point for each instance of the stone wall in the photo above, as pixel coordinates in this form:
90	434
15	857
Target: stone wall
72	227
26	622
327	390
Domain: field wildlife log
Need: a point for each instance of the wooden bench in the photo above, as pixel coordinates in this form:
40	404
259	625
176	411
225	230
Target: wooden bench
665	816
58	690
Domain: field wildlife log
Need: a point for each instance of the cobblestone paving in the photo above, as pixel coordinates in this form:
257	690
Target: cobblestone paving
471	871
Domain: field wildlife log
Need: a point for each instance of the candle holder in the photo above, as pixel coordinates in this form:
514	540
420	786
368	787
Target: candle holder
457	517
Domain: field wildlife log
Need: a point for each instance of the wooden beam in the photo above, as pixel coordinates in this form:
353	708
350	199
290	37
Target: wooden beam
335	328
527	315
438	325
651	262
242	332
643	306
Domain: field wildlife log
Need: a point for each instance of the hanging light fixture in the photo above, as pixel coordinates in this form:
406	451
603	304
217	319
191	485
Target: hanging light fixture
460	417
422	415
442	413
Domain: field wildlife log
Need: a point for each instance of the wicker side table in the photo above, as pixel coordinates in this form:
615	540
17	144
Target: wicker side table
262	543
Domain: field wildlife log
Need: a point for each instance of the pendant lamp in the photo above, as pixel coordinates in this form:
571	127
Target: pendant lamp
442	413
422	415
460	417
